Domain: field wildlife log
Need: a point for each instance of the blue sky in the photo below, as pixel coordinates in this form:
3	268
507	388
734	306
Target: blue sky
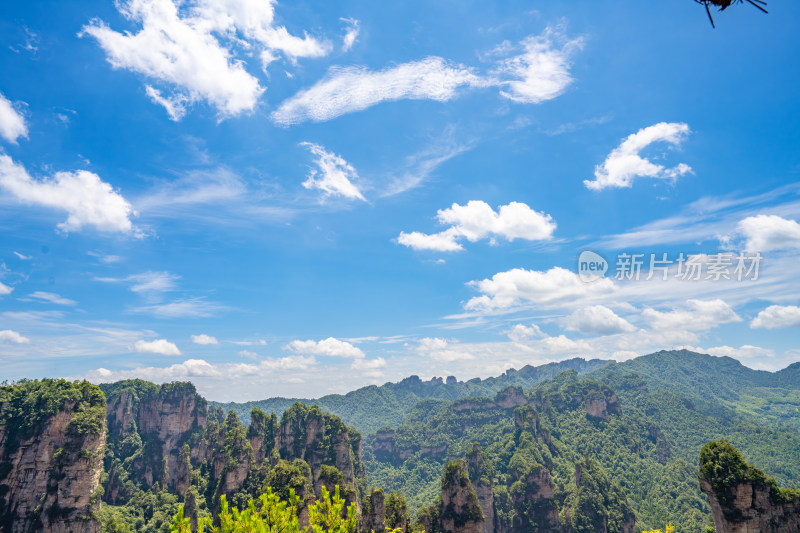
302	198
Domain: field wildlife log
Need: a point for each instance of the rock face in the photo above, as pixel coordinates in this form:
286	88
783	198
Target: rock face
750	508
50	470
482	484
163	417
460	511
374	513
743	499
535	503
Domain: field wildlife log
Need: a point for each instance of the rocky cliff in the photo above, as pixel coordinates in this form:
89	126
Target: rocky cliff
52	435
458	510
743	499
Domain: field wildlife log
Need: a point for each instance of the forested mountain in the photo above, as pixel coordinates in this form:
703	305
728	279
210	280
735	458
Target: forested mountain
581	446
369	408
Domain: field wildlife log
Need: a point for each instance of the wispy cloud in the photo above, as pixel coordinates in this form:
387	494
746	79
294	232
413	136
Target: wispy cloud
419	167
537	70
350	37
333	176
197	307
50	297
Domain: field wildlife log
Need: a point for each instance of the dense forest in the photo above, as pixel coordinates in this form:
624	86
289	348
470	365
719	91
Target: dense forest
571	447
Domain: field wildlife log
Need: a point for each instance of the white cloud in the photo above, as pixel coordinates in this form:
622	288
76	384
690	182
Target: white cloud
521	332
147	283
259	342
255	20
106	259
442	351
179	50
5	289
190	48
477	220
12	123
333	176
746	351
698	315
369	364
770	232
519	286
329	347
52	298
625	163
248	354
348	89
88	200
597	319
174	105
160	346
777	316
421	165
353	29
8	335
563	345
204	339
444	241
182	308
23	257
541	71
200	369
153	281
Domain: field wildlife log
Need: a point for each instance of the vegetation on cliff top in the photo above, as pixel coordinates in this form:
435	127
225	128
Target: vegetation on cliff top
29	403
724	468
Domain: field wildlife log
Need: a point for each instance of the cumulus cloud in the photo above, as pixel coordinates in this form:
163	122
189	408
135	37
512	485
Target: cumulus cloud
329	347
160	346
625	163
370	367
540	71
777	316
444	241
52	298
348	89
199	368
597	319
477	220
770	232
12	123
204	339
520	286
13	337
442	350
189	47
534	71
333	176
696	315
521	332
353	29
88	200
746	351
